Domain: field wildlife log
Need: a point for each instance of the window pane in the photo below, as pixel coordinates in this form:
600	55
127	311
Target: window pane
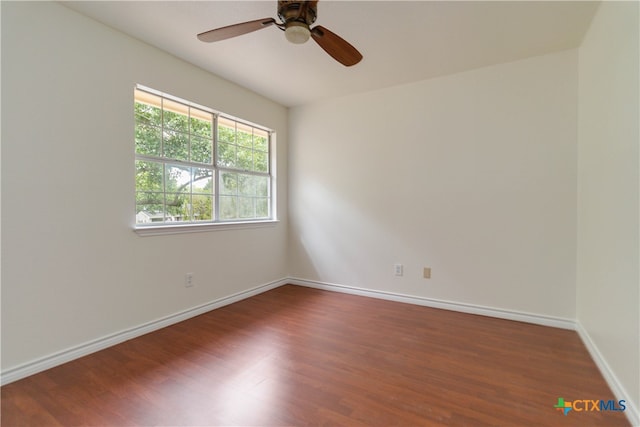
262	186
229	183
246	185
175	116
148	140
245	139
228	207
149	176
245	159
260	140
201	150
177	179
177	207
144	198
176	145
262	207
175	121
202	182
148	213
202	207
226	155
246	207
148	114
201	125
261	161
226	134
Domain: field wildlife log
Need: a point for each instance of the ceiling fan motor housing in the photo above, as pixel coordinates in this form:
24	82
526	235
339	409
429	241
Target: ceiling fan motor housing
304	12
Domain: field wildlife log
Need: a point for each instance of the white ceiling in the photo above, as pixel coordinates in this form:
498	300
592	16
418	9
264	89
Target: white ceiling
401	41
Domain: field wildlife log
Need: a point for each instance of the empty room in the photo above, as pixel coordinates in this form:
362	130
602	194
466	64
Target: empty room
357	213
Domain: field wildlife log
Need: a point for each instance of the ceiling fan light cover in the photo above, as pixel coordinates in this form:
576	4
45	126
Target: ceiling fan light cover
297	33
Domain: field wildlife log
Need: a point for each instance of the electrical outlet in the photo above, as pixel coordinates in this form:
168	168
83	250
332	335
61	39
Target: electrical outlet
398	269
426	273
188	280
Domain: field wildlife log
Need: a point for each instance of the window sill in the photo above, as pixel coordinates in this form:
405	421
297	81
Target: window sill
160	230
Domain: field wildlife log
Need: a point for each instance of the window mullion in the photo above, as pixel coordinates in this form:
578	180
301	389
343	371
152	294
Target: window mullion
189	154
216	181
173	162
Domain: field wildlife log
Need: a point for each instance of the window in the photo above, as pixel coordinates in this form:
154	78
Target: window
197	166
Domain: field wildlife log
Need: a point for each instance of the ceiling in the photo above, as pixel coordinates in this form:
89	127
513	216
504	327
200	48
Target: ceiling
401	41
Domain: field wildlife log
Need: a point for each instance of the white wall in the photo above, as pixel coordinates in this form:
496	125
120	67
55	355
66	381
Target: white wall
608	281
473	175
72	269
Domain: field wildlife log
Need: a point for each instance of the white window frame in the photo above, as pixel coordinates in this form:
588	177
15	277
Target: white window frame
178	227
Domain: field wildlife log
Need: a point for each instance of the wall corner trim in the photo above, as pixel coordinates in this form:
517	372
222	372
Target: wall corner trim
632	412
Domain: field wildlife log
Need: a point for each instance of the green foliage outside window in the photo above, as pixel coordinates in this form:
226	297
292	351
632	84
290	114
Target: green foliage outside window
175	168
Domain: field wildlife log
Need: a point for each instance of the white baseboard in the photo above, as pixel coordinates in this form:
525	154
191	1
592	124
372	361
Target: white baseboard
556	322
47	362
632	413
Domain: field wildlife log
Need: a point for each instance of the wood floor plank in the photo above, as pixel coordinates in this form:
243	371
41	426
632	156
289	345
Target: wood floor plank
299	356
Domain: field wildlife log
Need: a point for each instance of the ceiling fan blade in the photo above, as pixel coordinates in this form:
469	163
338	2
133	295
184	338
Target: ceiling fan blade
235	30
336	46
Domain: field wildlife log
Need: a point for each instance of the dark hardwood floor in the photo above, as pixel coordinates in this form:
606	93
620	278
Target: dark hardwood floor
298	356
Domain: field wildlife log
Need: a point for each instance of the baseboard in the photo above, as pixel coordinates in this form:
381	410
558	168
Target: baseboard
556	322
47	362
620	393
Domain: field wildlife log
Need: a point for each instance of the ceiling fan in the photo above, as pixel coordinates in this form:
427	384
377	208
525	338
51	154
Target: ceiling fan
296	17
